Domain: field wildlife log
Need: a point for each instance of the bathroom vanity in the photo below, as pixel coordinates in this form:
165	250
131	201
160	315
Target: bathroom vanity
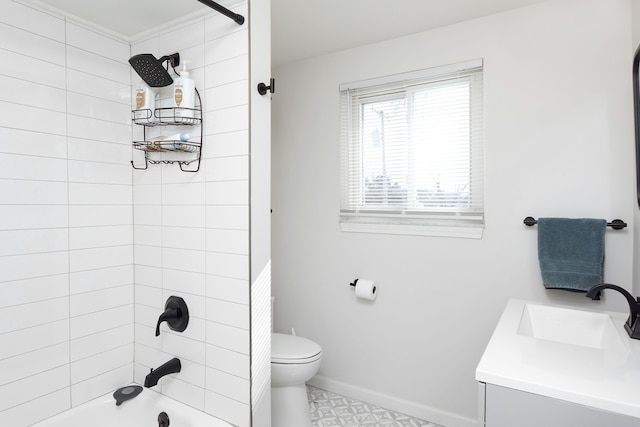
556	367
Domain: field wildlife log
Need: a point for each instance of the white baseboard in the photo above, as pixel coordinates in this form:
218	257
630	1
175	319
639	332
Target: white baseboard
406	407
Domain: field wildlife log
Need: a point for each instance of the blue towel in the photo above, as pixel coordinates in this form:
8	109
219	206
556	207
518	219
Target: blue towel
571	252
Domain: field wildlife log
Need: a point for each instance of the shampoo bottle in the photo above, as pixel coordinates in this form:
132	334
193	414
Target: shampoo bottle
184	94
145	103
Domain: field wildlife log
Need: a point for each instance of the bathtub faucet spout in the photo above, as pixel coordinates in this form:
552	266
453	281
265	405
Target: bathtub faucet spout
170	367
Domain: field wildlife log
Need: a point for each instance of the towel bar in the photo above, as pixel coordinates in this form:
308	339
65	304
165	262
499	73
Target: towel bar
616	224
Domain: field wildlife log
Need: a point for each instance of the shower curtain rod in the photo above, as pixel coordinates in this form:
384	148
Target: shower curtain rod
239	19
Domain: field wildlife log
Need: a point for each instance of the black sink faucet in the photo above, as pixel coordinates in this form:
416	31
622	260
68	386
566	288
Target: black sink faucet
170	367
632	326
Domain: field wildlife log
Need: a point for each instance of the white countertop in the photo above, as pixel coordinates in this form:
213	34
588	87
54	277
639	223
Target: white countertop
606	378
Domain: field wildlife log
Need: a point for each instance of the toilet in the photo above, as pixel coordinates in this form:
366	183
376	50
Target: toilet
294	360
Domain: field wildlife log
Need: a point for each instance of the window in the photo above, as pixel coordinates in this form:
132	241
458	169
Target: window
412	159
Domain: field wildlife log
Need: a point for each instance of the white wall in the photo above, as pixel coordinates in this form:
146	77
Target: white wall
66	254
559	142
80	226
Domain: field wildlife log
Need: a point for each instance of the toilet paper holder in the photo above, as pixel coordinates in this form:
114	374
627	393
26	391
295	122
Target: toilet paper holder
355	282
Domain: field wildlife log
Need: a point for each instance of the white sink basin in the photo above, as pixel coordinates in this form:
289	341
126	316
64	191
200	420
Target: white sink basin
568	326
565	353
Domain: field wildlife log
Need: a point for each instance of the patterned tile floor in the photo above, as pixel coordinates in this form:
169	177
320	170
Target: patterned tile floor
330	409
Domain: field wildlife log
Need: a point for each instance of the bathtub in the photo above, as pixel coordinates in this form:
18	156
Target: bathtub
141	411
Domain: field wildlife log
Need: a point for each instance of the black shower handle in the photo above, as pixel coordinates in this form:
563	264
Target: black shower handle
176	314
169	315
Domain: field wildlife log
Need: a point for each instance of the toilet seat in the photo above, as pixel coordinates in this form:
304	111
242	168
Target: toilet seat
292	349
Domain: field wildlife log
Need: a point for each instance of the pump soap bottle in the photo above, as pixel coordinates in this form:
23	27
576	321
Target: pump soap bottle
184	95
145	103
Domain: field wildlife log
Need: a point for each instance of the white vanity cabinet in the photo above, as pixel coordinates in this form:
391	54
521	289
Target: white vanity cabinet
506	407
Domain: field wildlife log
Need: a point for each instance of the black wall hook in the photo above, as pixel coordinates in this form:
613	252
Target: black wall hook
263	88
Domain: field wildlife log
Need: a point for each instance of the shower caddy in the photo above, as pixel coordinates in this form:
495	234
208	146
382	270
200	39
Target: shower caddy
184	153
152	72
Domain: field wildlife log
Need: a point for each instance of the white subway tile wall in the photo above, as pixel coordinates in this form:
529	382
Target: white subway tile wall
66	201
192	230
80	227
100	213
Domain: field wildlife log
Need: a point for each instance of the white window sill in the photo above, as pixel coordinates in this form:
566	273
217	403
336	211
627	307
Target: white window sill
467	232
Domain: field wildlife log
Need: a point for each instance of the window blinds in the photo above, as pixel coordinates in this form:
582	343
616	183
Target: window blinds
412	148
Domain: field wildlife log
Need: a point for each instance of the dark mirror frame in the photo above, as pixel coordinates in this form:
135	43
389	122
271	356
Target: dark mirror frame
636	115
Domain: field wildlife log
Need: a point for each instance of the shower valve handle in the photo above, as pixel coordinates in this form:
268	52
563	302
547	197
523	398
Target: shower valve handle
176	314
